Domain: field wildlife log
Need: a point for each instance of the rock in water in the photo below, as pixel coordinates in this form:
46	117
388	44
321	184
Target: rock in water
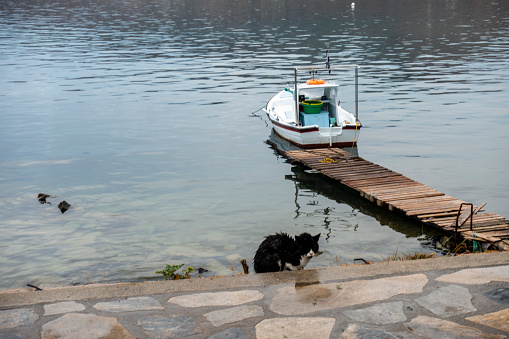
64	206
42	198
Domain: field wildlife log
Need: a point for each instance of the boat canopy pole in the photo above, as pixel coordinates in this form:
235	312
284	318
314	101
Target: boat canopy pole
296	100
356	94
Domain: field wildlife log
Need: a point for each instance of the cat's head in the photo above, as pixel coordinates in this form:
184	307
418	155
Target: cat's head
307	244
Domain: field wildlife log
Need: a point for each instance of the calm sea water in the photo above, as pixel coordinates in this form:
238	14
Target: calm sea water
145	116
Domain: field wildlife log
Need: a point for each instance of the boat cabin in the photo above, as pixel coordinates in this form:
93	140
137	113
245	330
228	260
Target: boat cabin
327	94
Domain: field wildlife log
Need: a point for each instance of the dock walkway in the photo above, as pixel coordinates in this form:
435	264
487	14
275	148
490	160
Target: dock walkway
397	192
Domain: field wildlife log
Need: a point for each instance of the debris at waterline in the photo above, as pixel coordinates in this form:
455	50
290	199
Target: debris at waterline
63	206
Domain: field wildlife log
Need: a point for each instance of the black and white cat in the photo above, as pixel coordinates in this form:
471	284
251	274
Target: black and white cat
281	252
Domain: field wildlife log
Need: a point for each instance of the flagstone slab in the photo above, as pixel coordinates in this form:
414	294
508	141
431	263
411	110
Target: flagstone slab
381	314
217	298
438	328
448	301
297	300
130	305
231	333
74	325
295	328
230	315
498	320
500	295
355	331
63	307
17	317
177	326
474	276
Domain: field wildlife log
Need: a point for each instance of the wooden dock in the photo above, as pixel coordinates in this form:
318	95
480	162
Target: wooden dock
388	188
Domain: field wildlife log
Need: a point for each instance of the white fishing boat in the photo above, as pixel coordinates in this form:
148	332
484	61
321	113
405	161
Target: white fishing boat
309	113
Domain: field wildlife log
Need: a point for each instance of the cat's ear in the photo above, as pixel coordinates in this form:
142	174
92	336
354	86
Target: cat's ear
316	237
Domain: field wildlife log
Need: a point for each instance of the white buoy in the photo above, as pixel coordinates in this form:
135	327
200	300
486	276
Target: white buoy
353	5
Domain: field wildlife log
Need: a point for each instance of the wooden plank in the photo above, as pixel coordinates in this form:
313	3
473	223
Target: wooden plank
433	209
418	209
350	168
487	224
399	183
363	184
427	216
495	234
357	175
386	179
369	176
479	223
484	228
395	199
416	202
321	161
359	171
396	187
400	195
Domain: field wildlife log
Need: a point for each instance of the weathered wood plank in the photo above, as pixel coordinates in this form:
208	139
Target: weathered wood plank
416	202
408	194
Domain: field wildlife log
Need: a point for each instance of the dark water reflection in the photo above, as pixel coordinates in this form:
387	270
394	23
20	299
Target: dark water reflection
140	114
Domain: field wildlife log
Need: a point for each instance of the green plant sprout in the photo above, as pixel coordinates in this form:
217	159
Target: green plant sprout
169	272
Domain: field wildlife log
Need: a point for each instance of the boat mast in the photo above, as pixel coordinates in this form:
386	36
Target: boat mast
296	99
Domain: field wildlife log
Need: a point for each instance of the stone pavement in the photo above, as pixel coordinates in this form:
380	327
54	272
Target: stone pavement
457	297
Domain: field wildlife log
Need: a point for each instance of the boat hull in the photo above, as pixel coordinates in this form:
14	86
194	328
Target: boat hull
317	137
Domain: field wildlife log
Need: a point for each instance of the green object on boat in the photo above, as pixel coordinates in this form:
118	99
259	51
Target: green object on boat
312	106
